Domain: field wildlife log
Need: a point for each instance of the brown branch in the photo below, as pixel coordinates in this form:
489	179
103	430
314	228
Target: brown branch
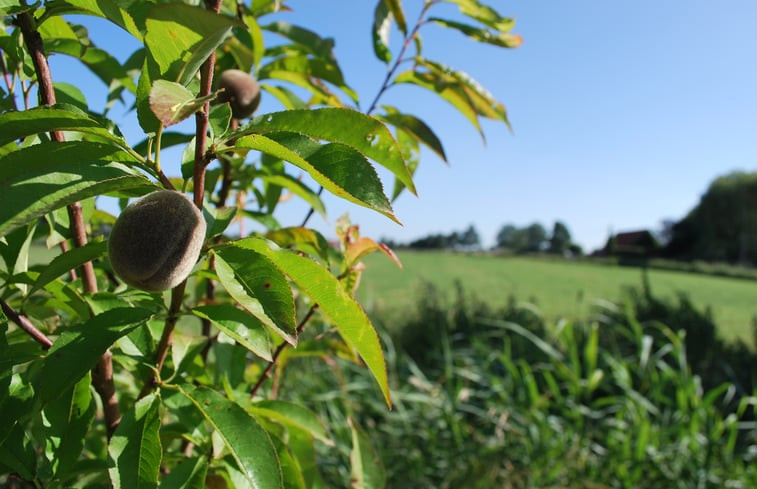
267	371
166	339
64	249
102	376
24	323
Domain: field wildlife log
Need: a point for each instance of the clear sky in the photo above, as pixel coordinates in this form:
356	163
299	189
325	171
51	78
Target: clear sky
622	113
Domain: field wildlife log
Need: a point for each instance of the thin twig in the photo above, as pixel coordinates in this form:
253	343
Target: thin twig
24	323
267	371
102	377
8	81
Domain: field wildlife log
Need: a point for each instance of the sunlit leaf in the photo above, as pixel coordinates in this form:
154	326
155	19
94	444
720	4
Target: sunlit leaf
382	25
334	302
246	440
172	103
258	286
351	128
180	38
416	127
504	40
69	261
245	329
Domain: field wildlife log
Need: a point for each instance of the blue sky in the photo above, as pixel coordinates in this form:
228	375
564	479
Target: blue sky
622	113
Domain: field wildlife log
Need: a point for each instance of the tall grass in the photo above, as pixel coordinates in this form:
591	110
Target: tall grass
498	398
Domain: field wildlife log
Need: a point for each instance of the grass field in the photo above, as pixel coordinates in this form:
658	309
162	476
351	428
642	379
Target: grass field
557	288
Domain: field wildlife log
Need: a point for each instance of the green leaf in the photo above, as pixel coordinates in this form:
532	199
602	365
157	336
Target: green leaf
480	98
172	103
135	448
413	125
290	468
351	128
44	177
336	304
70	417
297	188
295	415
286	97
256	284
395	6
107	9
219	119
307	39
308	67
367	471
77	350
61	117
301	238
18	453
484	14
338	168
446	90
245	329
186	474
245	439
382	26
180	38
69	261
501	39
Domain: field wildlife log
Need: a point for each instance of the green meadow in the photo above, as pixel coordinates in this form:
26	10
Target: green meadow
558	288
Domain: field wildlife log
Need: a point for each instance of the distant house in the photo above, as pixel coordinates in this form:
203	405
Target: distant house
636	244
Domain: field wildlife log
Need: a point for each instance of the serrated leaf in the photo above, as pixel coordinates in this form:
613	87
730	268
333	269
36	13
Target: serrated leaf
69	261
219	119
258	286
245	329
382	25
295	415
367	471
180	38
246	440
135	448
415	126
44	177
16	125
338	168
334	302
172	103
77	350
500	39
348	127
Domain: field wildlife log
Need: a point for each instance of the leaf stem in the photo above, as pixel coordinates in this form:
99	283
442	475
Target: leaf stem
24	323
267	371
102	378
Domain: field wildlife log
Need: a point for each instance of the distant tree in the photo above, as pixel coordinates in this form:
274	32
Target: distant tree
507	237
536	237
723	226
470	238
559	241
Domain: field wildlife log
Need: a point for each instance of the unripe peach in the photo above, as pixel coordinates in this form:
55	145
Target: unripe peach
241	91
156	241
